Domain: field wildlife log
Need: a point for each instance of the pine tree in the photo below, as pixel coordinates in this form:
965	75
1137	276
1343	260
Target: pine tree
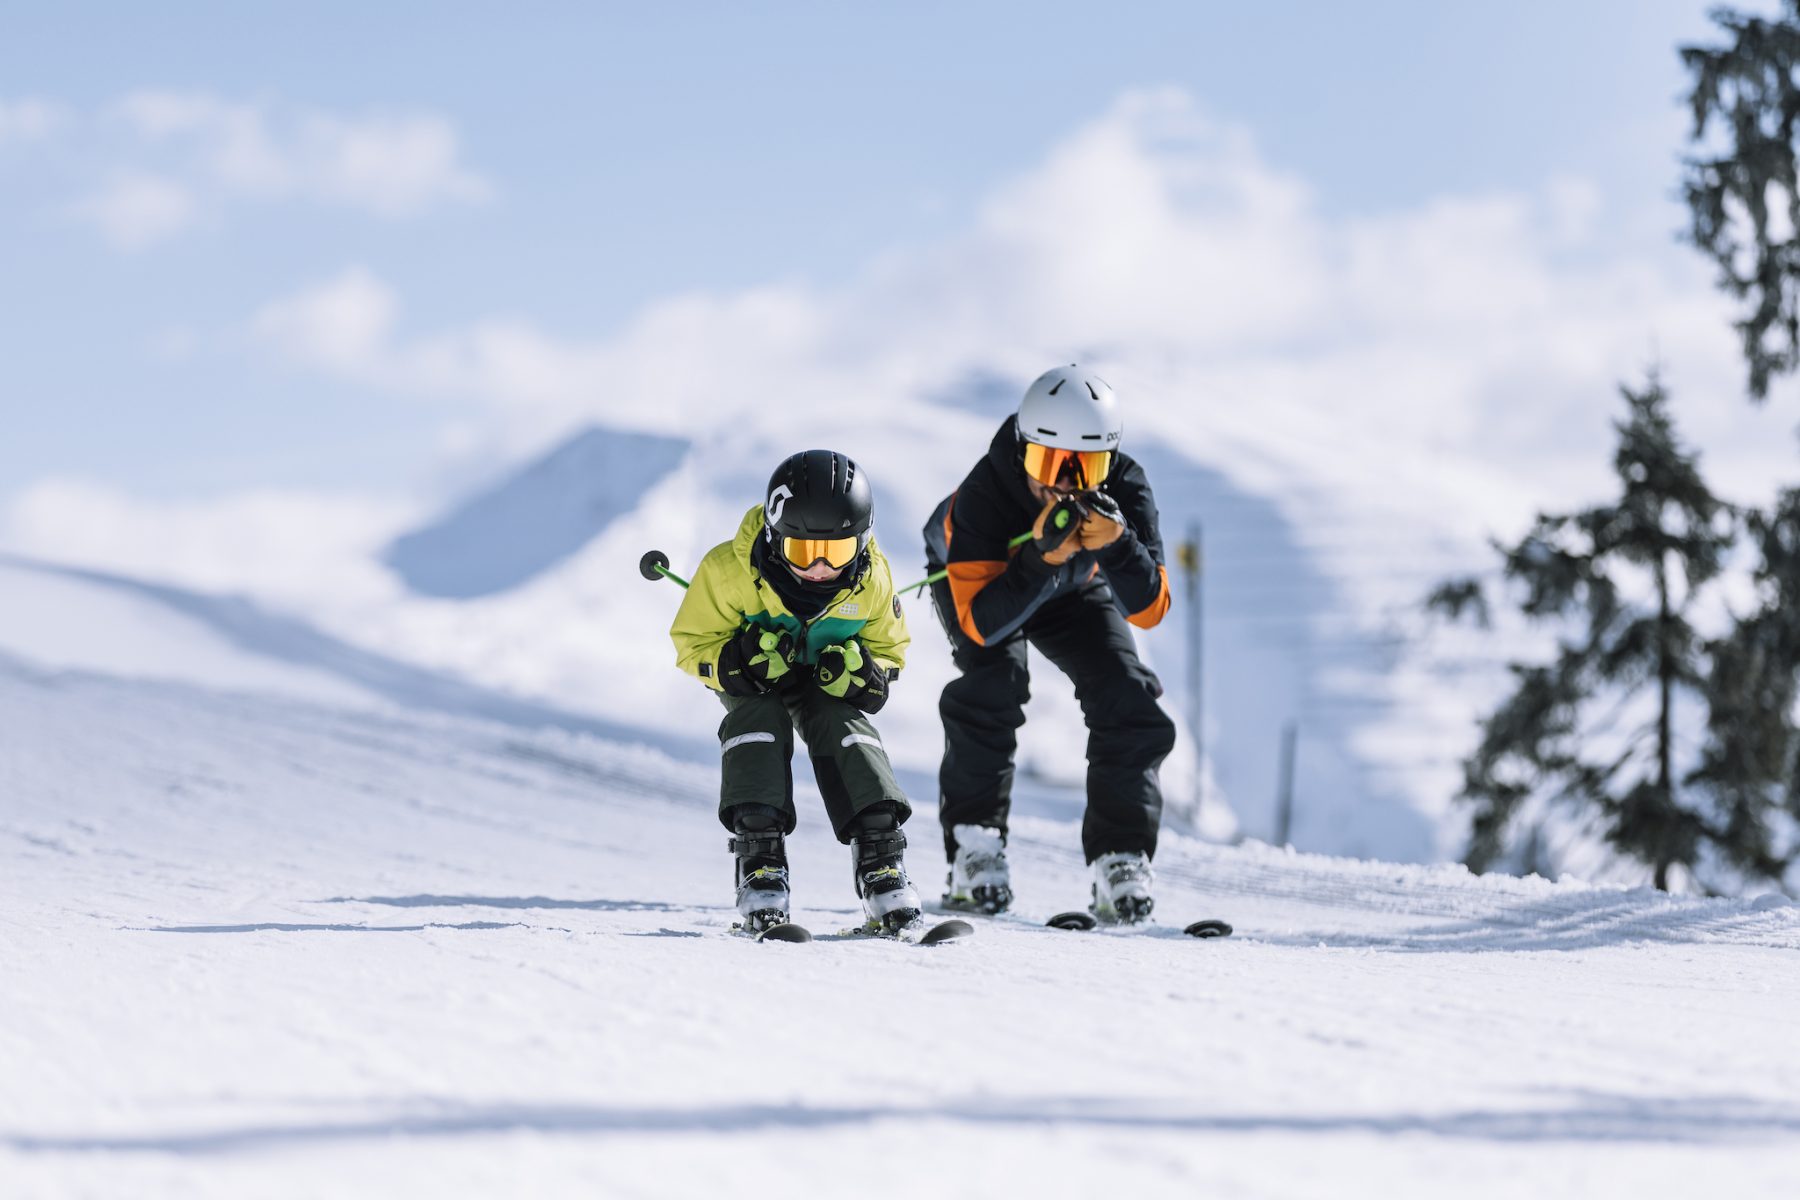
1750	765
1549	739
1744	209
1744	200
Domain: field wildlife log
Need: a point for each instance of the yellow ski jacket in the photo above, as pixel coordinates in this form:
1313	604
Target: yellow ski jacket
727	591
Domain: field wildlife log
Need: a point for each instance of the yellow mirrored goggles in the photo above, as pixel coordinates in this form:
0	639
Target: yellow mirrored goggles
804	552
1048	465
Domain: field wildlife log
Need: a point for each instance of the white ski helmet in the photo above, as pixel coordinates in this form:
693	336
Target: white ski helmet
1071	409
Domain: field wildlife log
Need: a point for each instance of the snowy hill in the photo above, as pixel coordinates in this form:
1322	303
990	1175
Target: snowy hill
308	928
535	518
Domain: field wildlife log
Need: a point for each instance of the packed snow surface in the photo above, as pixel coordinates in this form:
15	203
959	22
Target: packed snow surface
344	931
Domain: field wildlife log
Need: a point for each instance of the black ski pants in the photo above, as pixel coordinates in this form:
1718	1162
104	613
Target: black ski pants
756	741
1129	735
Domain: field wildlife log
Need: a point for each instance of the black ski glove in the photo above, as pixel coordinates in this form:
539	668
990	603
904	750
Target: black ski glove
1103	524
849	672
755	661
1106	532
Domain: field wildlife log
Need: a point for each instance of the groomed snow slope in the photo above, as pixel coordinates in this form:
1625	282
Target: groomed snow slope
268	946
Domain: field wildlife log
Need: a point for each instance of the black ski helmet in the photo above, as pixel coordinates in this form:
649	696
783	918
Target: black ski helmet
819	494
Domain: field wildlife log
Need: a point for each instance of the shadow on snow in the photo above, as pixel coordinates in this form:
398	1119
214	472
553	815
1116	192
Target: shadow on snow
1588	1118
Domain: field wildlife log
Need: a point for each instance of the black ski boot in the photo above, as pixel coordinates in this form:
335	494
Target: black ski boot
762	869
890	903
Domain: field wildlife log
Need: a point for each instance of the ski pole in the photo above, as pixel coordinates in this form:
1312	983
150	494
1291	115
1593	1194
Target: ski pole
655	565
1069	509
945	573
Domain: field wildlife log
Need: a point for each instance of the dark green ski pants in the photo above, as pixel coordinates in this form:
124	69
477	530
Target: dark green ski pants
756	741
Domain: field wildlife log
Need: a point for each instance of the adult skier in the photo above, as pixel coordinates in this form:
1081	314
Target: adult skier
1093	568
795	624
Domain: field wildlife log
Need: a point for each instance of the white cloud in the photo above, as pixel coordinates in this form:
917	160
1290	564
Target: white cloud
341	325
1457	358
1486	329
133	211
29	120
392	164
193	154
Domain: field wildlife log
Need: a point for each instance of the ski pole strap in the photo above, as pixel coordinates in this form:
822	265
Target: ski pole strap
945	573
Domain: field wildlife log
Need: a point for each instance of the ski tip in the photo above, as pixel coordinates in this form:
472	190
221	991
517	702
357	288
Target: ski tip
1209	928
1072	920
947	931
785	933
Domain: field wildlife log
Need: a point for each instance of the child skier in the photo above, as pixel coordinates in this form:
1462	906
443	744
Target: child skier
794	622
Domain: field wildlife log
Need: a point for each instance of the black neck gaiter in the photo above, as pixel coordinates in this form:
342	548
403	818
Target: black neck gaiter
805	600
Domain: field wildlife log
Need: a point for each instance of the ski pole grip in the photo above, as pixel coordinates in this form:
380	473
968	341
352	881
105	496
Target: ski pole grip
1059	522
1070	512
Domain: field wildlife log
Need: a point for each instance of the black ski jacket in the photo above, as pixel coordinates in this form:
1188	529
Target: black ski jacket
997	588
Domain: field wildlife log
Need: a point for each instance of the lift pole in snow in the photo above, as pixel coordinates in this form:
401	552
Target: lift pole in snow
1188	556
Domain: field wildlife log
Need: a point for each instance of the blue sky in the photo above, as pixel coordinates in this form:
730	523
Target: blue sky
616	155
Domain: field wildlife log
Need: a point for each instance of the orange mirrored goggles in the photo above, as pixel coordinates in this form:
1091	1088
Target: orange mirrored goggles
1048	465
804	552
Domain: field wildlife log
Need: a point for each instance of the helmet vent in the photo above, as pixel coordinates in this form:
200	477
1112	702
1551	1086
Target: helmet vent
1092	392
1046	432
1058	386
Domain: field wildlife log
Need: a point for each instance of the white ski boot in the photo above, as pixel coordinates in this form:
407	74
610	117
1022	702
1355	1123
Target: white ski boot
1122	888
979	879
890	902
762	880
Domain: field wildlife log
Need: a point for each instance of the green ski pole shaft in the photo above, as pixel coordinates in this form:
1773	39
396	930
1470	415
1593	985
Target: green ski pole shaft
655	564
945	574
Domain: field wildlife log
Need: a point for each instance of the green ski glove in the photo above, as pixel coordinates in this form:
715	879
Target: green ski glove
755	661
849	672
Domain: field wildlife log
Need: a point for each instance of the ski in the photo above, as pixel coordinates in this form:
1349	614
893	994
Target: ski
1080	919
1209	927
952	930
916	934
786	931
1072	920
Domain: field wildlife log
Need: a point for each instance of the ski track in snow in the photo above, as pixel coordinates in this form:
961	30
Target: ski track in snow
259	946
